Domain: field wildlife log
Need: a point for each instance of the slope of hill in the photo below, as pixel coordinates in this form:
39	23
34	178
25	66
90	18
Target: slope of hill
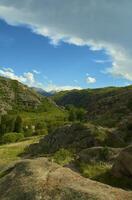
42	92
18	99
106	106
16	96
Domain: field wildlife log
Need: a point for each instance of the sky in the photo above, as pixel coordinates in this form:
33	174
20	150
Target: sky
66	44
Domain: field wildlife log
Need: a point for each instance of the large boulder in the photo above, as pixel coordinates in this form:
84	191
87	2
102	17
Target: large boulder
123	164
76	137
39	179
98	154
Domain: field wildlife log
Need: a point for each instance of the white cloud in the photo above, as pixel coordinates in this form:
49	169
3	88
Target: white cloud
36	71
90	80
99	24
29	79
75	81
102	61
54	87
8	70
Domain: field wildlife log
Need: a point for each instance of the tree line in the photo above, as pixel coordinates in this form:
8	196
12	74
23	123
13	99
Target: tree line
10	124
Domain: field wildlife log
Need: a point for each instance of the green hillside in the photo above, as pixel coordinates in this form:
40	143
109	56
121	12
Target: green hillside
37	114
105	106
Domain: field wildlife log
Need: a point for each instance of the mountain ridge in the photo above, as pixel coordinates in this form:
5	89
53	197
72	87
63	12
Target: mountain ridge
106	106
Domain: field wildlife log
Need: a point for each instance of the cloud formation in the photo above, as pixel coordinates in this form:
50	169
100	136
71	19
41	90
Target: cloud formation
90	80
99	24
102	61
28	78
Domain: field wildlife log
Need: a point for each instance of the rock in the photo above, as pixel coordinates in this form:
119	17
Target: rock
123	164
76	136
97	154
39	179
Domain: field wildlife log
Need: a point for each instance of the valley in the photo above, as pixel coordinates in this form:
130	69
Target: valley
81	135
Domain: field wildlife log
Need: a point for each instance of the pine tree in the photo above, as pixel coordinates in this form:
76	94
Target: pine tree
18	125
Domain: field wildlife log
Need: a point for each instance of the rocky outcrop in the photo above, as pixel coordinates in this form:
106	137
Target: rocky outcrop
16	96
98	154
39	179
123	164
76	137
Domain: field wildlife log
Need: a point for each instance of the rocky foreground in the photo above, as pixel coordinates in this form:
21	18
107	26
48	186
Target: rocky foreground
39	179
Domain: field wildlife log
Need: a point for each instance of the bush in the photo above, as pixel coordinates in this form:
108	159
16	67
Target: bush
63	156
93	170
41	132
28	133
76	114
104	154
53	125
18	124
7	124
12	137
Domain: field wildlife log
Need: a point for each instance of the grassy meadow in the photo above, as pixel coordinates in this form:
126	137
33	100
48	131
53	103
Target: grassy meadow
11	152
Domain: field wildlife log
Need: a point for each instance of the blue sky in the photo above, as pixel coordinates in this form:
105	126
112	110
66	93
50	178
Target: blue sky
38	60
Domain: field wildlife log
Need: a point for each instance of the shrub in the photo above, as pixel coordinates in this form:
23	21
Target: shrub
7	124
28	133
93	170
53	125
104	154
41	132
63	156
76	114
12	137
40	126
18	124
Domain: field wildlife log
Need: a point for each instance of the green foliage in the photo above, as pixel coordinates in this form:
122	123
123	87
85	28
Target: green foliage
7	124
104	153
107	178
91	171
76	114
27	131
129	104
40	126
41	132
12	137
102	172
10	153
104	106
53	125
63	156
18	124
72	115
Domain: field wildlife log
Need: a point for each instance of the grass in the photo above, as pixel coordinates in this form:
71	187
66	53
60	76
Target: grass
63	157
11	152
33	117
93	170
102	172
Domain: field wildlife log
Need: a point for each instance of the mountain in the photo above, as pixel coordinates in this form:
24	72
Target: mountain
18	99
43	92
105	106
82	148
15	96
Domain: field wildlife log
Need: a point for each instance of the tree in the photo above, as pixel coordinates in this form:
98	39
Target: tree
76	114
80	112
72	114
7	124
18	125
